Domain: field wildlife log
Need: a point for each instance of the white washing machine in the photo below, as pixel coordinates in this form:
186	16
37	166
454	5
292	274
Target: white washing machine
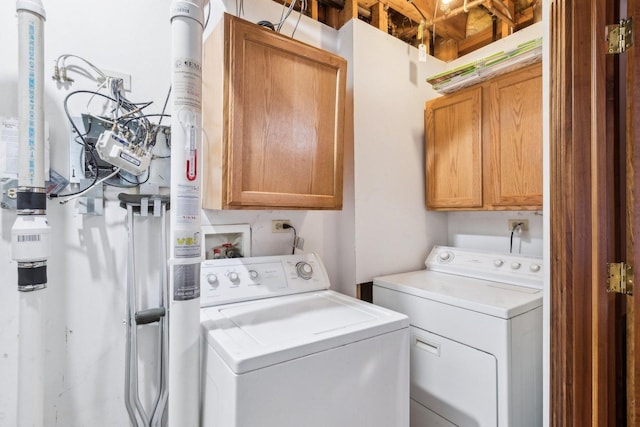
281	350
476	337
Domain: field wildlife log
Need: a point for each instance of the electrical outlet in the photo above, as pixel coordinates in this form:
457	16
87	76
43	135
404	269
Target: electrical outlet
523	227
277	225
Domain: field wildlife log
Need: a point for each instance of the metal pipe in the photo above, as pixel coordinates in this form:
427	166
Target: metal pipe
30	233
187	22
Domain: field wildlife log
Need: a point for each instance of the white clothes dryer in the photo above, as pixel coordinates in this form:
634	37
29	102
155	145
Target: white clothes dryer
281	350
476	337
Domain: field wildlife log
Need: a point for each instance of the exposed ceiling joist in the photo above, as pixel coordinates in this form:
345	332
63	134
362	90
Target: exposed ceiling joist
453	28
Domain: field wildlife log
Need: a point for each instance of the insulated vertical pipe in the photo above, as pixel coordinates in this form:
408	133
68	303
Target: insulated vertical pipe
185	240
30	233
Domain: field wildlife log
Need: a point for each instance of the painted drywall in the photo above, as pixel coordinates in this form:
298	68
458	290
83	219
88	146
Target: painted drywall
393	229
86	295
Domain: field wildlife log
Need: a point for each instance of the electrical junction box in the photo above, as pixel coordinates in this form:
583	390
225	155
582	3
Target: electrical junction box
119	152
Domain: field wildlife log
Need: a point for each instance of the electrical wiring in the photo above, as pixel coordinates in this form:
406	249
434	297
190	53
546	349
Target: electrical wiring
60	68
283	16
516	227
164	107
206	21
143	132
69	197
123	126
131	182
295	236
303	7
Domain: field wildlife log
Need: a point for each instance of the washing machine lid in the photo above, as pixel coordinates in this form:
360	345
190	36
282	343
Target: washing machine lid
483	296
255	334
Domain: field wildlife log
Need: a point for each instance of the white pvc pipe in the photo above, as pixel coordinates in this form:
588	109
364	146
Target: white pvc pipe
30	92
30	233
31	359
185	245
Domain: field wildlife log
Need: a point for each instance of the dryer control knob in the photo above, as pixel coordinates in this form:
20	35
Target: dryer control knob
498	262
304	270
534	267
444	256
515	265
253	274
212	279
233	276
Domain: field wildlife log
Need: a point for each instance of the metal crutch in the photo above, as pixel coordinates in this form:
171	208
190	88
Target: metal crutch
137	414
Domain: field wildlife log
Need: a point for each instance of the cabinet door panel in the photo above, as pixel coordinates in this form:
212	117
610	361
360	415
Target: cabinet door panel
454	155
285	123
515	139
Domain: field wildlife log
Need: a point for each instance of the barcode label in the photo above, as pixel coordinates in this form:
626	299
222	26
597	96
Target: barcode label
28	238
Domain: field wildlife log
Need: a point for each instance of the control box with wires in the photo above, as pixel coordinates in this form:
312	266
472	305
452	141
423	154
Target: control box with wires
104	148
113	142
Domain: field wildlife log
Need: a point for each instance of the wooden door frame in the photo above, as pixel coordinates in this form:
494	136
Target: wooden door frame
632	126
583	214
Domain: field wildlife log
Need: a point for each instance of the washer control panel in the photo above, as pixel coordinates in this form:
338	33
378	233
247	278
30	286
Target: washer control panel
505	268
223	281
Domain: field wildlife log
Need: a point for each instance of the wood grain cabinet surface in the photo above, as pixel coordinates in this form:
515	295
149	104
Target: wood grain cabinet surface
484	145
273	118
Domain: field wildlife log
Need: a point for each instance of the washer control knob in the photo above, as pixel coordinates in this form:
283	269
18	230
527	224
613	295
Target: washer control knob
534	267
253	274
304	270
212	279
498	262
233	276
444	256
515	265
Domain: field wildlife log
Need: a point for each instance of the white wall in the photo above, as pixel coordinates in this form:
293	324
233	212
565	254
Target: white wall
393	229
85	298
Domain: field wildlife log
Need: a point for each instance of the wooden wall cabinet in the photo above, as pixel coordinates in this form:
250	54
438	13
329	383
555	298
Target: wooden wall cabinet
273	118
484	145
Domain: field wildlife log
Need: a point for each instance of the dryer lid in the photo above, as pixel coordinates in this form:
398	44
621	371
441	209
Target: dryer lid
255	334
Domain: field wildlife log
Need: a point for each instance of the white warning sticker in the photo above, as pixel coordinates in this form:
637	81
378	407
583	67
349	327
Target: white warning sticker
187	83
186	244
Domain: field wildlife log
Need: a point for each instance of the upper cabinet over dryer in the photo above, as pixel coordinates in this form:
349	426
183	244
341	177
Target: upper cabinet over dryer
484	145
274	119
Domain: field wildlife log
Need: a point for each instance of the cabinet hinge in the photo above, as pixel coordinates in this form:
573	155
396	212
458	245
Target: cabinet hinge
620	278
620	36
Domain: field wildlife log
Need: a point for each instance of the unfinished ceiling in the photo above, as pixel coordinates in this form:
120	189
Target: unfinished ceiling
449	29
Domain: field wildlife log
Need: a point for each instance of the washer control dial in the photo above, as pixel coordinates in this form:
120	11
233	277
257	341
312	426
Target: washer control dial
212	279
304	270
498	262
515	265
233	276
253	274
535	267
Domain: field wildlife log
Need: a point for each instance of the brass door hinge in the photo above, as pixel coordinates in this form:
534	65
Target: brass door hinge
620	36
620	278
